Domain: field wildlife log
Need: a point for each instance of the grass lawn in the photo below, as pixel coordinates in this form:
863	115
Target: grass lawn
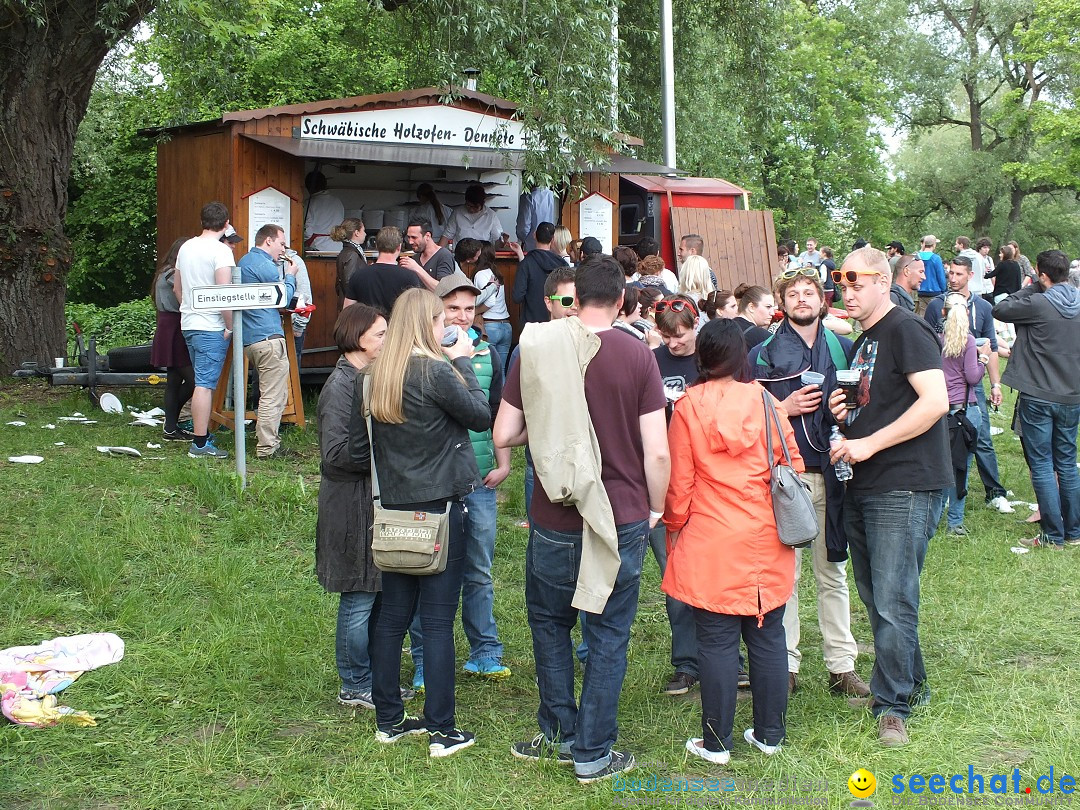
226	696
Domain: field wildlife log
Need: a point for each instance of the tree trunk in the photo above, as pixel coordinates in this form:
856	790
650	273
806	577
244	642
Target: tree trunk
52	54
1016	202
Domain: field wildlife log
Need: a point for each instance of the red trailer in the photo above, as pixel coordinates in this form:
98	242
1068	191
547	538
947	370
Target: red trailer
740	244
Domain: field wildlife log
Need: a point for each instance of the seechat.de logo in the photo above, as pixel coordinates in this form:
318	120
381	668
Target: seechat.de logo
862	785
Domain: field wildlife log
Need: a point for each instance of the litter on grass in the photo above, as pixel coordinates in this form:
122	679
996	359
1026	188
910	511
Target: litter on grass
996	431
58	444
110	404
17	423
31	677
152	446
1019	549
26	459
119	451
48	427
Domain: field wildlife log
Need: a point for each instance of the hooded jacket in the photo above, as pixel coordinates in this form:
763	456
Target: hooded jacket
1045	360
532	272
934	283
728	557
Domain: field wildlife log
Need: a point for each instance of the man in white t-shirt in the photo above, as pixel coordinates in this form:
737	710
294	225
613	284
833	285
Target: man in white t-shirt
204	261
324	213
474	219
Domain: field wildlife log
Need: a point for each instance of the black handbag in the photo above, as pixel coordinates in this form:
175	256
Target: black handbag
963	438
793	508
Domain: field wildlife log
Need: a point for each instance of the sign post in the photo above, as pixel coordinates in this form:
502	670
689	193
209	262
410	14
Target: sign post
237	296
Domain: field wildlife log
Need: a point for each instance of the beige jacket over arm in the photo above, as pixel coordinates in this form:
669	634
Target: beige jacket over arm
565	451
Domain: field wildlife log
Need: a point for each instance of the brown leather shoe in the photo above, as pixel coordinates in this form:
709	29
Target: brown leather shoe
792	683
891	731
848	683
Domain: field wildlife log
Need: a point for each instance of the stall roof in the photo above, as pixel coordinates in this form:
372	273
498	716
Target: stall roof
431	155
416	97
685	185
432	95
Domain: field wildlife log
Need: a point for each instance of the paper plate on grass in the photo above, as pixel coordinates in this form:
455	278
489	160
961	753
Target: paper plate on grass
110	404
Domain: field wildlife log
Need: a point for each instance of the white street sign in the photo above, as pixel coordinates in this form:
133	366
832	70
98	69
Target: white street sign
238	296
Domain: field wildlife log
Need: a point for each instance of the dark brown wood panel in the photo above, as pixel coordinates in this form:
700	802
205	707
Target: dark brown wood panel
739	244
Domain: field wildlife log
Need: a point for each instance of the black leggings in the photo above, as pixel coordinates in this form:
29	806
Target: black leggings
179	386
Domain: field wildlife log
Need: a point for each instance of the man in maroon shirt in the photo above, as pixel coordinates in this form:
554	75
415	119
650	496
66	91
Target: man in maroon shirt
625	400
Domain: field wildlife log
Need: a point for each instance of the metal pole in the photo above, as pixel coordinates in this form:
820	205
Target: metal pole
239	389
667	82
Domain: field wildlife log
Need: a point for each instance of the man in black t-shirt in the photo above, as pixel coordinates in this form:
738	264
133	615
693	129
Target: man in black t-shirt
896	441
379	284
676	321
430	262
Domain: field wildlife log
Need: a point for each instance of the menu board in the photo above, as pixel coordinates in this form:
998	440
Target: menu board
596	217
265	207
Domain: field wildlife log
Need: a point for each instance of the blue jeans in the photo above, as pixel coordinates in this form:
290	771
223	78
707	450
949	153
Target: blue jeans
499	335
955	505
207	350
888	534
353	638
477	592
985	457
587	729
684	652
1048	431
439	595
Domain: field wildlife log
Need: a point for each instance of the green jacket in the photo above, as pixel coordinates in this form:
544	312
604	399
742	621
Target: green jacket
490	379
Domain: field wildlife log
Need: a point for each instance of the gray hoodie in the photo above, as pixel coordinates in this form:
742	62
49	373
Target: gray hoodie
1045	361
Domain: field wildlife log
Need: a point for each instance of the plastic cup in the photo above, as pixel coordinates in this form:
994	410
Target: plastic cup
980	342
812	378
58	362
848	380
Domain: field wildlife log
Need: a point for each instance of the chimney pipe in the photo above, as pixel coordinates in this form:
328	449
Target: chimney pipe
471	74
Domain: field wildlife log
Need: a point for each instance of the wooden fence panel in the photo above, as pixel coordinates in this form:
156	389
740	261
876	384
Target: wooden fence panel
739	245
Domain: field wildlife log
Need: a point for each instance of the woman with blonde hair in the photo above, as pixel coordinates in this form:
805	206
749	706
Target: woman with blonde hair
695	278
560	243
963	364
422	409
351	234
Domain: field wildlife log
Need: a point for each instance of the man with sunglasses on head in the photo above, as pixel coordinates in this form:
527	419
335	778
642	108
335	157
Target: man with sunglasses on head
802	344
676	321
908	273
896	441
959	277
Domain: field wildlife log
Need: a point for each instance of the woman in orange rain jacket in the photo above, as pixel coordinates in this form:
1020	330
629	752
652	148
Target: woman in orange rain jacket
725	558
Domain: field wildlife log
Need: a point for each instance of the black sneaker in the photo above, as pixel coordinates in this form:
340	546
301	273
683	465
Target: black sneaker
405	727
680	684
448	744
620	763
744	679
539	749
178	435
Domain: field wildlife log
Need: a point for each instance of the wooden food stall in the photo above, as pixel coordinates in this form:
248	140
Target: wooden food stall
374	151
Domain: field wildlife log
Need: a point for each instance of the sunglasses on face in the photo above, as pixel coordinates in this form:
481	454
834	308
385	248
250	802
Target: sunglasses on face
566	300
678	305
795	272
851	276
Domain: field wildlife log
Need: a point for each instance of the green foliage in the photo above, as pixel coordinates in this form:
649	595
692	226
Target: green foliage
112	211
127	324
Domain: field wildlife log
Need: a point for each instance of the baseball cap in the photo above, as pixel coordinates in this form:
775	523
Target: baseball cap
231	236
454	282
590	246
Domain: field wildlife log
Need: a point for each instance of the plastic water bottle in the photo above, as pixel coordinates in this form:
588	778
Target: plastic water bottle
841	467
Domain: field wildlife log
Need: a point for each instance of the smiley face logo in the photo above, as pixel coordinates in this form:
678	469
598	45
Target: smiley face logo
862	784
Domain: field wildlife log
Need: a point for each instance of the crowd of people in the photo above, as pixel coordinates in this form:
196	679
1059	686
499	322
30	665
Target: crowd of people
640	394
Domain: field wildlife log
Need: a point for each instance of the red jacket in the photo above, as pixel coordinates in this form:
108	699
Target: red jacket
728	557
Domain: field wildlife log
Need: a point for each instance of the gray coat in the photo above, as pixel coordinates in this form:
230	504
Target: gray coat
343	534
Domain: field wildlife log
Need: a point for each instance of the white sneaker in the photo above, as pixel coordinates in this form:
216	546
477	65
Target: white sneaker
768	750
696	746
1001	503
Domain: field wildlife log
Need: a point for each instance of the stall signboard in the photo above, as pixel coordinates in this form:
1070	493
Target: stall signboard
269	206
596	217
433	125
